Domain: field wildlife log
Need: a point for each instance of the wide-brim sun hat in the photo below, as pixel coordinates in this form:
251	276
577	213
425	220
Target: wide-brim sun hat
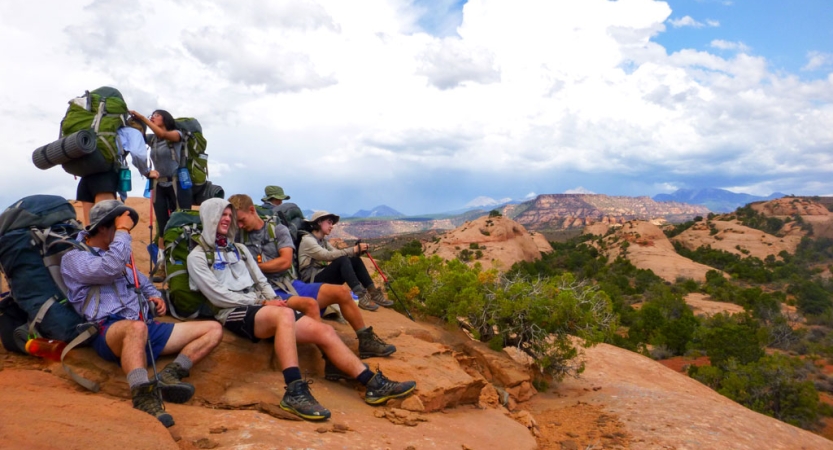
273	192
109	209
320	215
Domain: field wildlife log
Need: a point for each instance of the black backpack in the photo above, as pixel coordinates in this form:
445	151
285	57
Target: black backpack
35	232
291	216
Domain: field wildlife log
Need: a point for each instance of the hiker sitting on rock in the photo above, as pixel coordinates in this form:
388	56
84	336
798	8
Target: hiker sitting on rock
272	247
101	284
345	265
247	306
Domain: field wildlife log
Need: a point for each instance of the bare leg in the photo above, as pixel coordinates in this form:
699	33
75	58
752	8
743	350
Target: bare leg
101	196
194	339
85	209
306	305
324	336
128	339
339	294
279	322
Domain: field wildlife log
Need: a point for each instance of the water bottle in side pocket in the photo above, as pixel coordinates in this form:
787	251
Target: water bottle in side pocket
184	178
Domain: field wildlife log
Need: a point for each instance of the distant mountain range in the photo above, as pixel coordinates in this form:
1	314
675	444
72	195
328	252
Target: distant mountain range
717	200
545	212
379	211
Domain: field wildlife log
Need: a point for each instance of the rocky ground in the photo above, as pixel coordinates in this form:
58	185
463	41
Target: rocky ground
500	240
647	248
468	397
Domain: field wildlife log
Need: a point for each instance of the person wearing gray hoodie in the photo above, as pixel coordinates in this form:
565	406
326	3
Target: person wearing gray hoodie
248	307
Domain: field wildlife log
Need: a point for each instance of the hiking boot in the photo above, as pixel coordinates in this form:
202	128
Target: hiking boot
378	297
146	398
380	389
365	302
299	401
371	345
173	389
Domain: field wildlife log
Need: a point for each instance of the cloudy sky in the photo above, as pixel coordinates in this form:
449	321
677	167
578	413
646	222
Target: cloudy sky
426	105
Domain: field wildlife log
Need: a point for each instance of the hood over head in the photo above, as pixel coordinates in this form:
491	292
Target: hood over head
211	211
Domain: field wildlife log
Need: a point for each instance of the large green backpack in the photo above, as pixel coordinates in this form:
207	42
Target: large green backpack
104	111
194	145
182	234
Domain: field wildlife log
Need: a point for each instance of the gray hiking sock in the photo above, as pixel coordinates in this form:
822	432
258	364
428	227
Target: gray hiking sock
361	330
137	377
184	361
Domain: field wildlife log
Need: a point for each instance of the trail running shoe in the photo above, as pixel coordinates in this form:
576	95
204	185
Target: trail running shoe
366	303
378	297
380	389
299	401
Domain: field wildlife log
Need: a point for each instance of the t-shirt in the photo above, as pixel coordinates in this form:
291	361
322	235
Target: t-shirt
260	243
164	161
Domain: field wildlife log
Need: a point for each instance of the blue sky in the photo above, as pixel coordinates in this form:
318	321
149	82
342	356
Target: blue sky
783	32
426	105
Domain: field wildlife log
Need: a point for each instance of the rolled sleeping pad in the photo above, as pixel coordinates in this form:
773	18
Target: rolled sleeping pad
76	145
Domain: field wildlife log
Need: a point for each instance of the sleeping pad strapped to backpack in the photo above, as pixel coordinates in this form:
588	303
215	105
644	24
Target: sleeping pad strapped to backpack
34	233
104	111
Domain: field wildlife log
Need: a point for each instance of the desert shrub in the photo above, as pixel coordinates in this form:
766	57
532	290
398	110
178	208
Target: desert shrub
775	385
737	337
663	321
661	352
465	255
534	314
680	227
412	248
753	219
495	213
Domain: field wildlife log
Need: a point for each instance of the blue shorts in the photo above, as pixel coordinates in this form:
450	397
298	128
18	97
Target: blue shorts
303	289
158	333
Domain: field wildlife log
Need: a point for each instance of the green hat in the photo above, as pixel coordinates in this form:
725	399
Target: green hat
275	192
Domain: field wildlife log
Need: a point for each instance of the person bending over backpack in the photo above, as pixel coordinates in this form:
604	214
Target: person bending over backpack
101	288
165	153
227	274
345	265
271	245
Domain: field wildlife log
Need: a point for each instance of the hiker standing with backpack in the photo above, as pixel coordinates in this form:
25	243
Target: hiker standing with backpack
102	290
345	265
166	152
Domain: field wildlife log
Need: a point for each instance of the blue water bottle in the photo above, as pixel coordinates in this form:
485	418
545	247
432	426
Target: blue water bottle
184	178
125	184
147	189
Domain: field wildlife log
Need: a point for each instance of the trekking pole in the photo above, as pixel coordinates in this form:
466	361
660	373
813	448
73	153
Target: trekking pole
150	224
387	283
142	303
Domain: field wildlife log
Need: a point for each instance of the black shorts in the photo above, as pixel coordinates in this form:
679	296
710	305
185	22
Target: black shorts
241	321
97	183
